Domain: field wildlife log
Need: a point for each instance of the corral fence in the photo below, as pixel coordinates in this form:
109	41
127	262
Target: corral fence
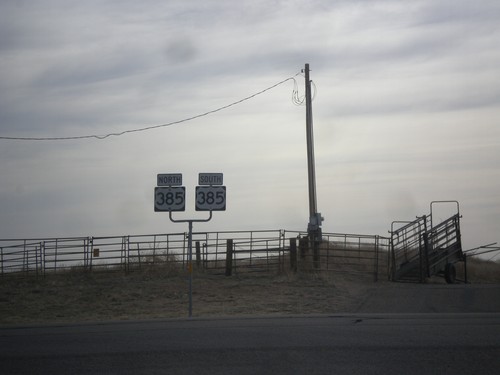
228	252
421	248
363	255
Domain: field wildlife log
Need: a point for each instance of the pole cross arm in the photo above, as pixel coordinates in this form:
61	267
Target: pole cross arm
189	220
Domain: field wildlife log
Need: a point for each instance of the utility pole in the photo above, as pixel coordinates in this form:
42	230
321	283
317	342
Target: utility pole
315	219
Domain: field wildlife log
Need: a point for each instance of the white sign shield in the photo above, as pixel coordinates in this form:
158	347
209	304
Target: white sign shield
170	199
210	198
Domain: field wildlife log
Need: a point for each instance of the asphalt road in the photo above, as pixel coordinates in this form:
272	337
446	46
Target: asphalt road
336	344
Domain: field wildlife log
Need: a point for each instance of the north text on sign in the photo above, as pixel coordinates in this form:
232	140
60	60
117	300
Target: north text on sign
172	179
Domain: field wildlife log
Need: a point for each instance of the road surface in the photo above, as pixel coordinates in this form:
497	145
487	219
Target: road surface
327	344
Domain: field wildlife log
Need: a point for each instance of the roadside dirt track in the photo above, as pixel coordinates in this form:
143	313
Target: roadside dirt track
397	298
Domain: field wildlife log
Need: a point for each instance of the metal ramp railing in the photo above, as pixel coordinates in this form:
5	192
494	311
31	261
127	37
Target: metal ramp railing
420	249
444	248
407	246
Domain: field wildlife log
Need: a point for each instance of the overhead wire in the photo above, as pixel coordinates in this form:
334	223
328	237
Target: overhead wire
146	128
296	99
301	100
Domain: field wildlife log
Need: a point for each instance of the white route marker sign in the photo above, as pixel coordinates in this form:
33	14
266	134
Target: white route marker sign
210	198
171	198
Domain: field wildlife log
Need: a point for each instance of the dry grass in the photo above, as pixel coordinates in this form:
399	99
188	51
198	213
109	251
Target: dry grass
161	291
479	271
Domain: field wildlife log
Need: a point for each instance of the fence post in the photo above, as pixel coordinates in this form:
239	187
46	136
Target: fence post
293	254
138	255
376	258
25	260
87	248
42	258
229	257
198	254
303	246
316	256
465	269
36	258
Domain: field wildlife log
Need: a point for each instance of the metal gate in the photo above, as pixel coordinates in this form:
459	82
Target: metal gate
420	249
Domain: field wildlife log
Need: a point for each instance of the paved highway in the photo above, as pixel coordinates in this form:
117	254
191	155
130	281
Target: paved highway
336	344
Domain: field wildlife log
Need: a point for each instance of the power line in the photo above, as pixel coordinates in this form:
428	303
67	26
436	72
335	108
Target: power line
146	128
301	100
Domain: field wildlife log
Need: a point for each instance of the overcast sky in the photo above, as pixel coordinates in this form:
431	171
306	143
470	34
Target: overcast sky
406	111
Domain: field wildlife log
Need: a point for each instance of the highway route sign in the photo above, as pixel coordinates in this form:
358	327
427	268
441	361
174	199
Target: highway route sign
210	198
171	198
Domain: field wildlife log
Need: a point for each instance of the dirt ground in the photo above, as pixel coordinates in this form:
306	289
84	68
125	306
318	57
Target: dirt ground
160	293
153	294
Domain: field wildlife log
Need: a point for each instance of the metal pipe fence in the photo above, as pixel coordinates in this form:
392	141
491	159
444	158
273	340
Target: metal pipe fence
52	255
251	251
357	254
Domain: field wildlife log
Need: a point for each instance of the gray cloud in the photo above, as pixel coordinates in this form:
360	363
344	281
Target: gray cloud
406	111
182	50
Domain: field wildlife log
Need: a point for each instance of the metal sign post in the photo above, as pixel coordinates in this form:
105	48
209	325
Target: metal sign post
170	197
190	253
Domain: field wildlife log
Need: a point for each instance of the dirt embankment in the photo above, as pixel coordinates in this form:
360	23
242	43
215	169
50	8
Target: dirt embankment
153	294
163	293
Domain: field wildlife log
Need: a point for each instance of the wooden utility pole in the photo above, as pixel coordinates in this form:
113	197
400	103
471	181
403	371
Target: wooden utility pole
310	147
315	219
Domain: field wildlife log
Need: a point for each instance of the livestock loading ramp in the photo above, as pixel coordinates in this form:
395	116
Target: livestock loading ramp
419	249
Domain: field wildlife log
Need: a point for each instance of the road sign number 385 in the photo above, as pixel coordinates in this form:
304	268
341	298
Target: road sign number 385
210	198
170	198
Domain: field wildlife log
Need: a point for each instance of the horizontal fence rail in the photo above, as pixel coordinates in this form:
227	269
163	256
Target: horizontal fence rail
228	252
